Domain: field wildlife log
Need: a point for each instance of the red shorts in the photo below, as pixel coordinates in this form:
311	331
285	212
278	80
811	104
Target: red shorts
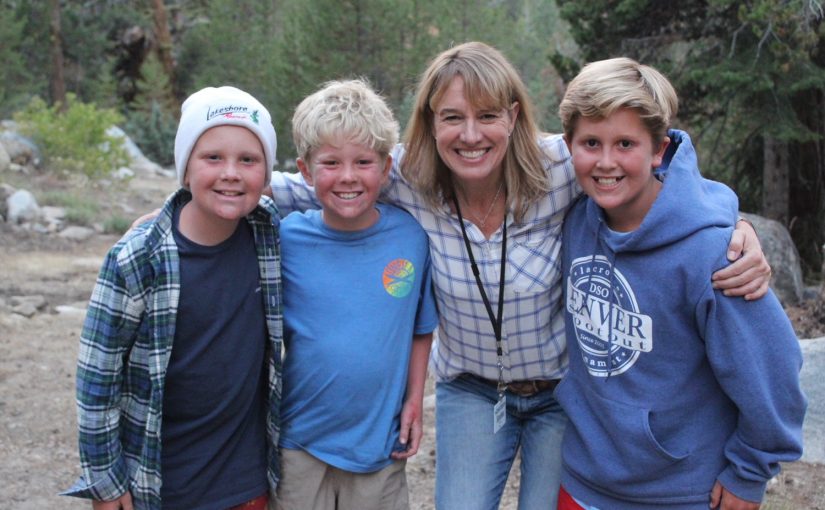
258	503
566	501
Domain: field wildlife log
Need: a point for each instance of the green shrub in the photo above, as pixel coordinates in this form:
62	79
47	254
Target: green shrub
117	225
153	130
80	210
74	140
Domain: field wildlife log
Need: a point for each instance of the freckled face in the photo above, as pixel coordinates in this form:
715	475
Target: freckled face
347	178
472	142
226	173
614	158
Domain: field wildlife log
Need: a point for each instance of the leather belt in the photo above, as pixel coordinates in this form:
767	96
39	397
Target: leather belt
526	388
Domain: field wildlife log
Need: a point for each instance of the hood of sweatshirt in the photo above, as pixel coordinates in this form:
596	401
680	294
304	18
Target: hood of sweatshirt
685	204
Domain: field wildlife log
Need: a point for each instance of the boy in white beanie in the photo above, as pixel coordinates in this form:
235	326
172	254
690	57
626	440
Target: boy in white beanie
179	369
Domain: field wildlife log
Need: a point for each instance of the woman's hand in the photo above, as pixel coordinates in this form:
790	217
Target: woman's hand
143	219
750	274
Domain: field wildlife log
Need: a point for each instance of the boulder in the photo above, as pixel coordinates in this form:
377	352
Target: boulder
21	150
53	217
813	429
21	207
783	257
5	159
6	190
27	306
76	233
139	162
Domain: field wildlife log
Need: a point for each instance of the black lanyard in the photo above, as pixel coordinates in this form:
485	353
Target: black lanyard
495	321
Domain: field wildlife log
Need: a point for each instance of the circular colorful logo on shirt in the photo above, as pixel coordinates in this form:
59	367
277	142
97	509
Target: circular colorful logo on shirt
398	278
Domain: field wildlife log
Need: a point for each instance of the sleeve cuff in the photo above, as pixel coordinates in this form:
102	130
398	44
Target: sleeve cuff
107	486
749	490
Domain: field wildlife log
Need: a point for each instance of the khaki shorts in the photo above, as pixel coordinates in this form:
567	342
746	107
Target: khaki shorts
310	484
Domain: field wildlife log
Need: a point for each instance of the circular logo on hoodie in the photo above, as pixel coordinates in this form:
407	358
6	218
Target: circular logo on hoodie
610	331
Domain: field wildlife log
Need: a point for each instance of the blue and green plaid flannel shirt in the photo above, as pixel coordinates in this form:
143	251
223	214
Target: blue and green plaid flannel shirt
125	347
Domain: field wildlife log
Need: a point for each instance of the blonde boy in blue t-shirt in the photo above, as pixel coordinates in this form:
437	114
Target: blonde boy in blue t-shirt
358	314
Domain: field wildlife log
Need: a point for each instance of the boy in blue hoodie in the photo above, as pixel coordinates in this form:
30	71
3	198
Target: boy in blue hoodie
678	397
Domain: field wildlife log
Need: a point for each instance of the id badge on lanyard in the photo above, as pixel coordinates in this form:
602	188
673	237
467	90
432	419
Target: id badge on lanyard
500	408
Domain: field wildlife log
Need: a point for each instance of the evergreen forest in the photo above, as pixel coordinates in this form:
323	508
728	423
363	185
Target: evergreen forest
750	73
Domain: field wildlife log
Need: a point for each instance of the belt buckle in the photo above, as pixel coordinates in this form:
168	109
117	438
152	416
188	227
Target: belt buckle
523	388
531	387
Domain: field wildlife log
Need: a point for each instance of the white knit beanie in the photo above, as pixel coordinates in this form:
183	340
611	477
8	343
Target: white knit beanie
221	106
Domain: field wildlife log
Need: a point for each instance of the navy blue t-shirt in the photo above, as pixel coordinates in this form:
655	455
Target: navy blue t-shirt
214	420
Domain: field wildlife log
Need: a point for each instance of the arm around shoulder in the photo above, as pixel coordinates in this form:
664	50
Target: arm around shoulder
292	193
749	275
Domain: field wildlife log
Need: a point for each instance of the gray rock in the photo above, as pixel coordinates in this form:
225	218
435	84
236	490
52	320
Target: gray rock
26	310
21	207
139	162
123	173
811	292
27	306
76	233
21	150
70	311
18	169
6	191
37	227
813	431
51	213
52	217
37	301
5	159
783	257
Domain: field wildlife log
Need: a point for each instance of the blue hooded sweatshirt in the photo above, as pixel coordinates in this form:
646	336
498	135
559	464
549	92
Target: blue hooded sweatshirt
672	386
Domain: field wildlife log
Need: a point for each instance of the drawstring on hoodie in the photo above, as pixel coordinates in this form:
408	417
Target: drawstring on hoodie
611	265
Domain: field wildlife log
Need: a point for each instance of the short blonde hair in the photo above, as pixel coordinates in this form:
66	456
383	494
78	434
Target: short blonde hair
605	86
347	110
490	82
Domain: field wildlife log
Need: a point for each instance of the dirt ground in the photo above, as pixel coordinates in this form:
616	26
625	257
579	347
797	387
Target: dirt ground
38	456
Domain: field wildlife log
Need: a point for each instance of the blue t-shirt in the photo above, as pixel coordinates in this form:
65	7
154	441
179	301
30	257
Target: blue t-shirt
352	303
214	420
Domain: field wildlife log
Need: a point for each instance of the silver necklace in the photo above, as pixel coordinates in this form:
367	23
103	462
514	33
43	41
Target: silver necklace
483	221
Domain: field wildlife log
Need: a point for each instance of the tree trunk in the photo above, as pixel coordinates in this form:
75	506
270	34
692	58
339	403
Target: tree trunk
775	180
57	82
164	41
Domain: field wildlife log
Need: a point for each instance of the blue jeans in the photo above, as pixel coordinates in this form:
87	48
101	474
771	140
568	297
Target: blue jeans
472	463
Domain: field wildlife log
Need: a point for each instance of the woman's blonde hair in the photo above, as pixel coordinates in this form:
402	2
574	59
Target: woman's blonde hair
344	111
490	83
605	86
